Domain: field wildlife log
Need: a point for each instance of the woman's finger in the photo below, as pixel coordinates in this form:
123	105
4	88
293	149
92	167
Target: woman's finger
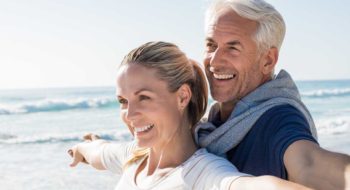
88	136
70	152
75	162
77	157
94	137
91	137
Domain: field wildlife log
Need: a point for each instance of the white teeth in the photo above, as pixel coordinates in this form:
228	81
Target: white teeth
142	129
222	76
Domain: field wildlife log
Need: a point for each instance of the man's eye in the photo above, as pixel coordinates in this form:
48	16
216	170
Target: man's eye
233	48
210	46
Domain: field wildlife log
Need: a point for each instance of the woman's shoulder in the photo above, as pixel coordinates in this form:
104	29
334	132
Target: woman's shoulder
208	171
202	160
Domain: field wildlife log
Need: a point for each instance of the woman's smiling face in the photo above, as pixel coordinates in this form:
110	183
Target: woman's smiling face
147	107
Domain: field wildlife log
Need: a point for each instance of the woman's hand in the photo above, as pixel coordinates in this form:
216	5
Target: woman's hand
88	152
76	155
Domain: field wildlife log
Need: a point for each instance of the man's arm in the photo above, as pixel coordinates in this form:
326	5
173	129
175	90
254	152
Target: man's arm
308	164
264	183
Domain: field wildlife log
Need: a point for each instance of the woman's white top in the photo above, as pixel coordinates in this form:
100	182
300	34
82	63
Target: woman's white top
202	171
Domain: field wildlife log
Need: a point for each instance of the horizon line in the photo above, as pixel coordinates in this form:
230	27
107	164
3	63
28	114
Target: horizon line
111	86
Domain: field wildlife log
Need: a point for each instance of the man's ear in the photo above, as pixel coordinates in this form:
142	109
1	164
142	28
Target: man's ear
184	95
269	61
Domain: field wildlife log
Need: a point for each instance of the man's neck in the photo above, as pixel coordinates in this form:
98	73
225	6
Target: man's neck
226	109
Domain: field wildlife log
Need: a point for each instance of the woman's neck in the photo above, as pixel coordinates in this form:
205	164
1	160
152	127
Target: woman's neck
172	153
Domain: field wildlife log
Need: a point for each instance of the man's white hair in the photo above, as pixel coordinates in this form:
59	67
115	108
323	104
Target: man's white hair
271	27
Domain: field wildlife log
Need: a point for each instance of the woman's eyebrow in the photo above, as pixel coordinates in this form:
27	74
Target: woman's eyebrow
142	90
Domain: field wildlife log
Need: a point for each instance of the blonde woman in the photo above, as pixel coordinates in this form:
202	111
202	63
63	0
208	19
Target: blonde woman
162	95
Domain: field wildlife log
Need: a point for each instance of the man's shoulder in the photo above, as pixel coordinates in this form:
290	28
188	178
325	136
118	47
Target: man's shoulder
282	112
281	120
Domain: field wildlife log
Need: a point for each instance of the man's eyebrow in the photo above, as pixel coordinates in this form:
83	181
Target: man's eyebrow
230	43
233	43
209	39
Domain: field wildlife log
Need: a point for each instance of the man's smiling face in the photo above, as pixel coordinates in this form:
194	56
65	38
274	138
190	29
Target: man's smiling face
232	60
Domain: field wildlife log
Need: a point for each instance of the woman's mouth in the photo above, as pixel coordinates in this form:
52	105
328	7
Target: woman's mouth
144	128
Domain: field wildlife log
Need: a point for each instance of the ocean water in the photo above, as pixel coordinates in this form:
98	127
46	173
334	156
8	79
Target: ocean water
38	126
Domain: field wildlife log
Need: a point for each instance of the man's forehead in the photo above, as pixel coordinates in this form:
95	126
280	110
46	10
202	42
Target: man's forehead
228	21
227	16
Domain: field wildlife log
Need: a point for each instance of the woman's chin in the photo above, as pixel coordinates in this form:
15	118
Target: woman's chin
142	144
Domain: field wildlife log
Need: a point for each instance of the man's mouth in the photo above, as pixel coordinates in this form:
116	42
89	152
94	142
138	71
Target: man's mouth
223	76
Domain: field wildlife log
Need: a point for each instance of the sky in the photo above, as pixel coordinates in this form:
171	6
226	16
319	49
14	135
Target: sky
70	43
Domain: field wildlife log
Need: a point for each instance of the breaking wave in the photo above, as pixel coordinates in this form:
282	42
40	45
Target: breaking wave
325	93
52	105
121	136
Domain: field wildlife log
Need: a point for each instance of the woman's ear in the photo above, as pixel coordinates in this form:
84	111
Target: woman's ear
184	95
270	60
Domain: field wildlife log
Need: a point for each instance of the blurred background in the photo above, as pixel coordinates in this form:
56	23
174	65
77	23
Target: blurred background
58	64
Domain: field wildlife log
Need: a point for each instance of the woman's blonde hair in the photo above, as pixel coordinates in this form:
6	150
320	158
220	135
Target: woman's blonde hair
173	67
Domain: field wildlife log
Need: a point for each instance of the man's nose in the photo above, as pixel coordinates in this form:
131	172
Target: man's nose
216	58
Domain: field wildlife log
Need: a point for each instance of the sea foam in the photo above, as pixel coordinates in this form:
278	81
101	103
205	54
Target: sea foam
333	126
120	136
52	105
324	93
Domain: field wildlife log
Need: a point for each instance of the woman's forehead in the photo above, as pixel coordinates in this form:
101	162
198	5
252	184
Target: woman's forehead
134	78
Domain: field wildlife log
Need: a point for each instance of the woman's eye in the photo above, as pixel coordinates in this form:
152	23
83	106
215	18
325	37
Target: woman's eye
143	97
122	101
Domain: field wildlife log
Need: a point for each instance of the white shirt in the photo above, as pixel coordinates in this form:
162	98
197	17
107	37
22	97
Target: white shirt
202	171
